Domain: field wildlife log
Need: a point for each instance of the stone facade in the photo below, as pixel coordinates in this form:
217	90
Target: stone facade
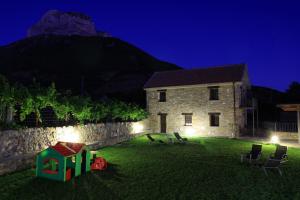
19	147
195	99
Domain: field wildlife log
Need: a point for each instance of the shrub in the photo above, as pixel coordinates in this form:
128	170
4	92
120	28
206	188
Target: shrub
34	98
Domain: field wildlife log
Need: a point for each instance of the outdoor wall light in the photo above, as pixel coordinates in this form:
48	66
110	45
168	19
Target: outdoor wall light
68	134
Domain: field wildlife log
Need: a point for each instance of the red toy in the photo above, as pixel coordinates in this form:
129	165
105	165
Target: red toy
99	164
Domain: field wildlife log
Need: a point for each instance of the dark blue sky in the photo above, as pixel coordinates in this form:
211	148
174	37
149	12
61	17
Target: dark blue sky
265	34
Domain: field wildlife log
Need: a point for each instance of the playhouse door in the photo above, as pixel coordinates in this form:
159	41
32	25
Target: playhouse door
83	163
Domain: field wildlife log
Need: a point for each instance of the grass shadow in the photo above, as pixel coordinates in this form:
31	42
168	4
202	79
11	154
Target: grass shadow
111	173
91	185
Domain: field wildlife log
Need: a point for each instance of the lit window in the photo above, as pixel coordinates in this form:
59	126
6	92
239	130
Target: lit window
188	119
214	119
162	95
213	93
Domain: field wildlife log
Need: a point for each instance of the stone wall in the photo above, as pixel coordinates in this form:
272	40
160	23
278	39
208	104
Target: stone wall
195	100
281	135
19	147
287	135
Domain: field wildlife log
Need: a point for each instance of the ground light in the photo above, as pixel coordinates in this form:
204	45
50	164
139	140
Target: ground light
190	132
137	127
275	139
68	134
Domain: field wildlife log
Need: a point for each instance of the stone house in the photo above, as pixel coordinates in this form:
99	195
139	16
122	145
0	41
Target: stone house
204	102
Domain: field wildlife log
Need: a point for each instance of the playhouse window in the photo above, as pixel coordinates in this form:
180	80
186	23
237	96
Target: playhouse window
50	166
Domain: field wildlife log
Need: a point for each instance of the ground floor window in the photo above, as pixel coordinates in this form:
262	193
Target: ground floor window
188	119
214	119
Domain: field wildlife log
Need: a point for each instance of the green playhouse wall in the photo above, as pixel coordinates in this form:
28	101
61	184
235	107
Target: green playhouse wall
48	154
63	164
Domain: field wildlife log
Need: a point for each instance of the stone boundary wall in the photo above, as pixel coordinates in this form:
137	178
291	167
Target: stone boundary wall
286	135
280	134
19	147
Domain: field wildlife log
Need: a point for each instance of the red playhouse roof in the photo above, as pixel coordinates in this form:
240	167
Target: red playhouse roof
68	148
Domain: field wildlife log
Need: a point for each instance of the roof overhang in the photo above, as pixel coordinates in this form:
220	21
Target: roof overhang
192	86
289	107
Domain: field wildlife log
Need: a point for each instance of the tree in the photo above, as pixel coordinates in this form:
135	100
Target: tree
32	99
118	110
36	99
63	109
137	113
7	101
81	108
126	112
293	92
100	112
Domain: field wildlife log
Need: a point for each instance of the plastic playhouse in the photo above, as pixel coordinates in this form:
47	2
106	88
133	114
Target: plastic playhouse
65	160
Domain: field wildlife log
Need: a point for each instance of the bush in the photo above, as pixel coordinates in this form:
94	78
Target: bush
100	112
33	99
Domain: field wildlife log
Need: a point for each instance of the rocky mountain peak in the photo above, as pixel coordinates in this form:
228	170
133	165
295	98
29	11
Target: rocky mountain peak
63	23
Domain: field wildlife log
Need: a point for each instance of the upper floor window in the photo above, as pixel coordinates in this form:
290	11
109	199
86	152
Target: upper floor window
214	119
214	93
188	119
162	96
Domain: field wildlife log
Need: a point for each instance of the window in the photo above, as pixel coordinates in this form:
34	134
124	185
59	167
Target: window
188	119
214	119
50	166
162	95
213	93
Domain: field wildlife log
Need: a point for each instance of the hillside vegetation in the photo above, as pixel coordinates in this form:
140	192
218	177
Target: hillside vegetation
99	66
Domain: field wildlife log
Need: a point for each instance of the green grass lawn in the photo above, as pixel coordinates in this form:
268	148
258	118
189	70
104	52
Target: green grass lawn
206	168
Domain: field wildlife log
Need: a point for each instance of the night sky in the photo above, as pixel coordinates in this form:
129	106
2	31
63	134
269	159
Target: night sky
265	34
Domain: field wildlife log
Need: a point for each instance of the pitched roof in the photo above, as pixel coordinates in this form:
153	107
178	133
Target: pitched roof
219	74
67	148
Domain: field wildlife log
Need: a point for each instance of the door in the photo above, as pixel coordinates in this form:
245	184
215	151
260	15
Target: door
83	163
163	123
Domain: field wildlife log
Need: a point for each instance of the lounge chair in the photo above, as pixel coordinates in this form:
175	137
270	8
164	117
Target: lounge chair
272	164
254	155
280	154
179	138
152	140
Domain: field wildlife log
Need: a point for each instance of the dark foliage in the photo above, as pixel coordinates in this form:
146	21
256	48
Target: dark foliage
268	99
293	92
97	66
31	105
